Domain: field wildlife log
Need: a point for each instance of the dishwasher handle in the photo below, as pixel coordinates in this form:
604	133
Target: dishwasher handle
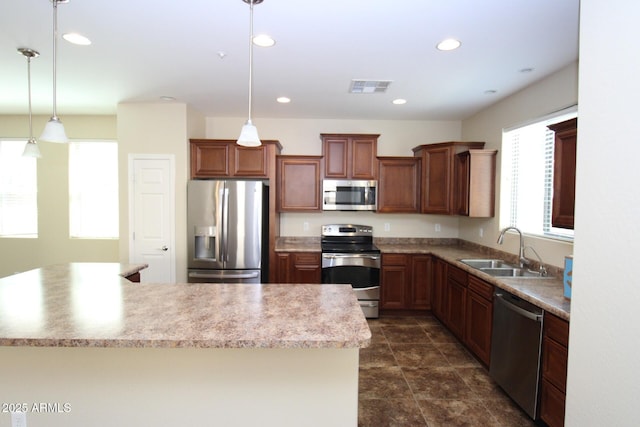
519	310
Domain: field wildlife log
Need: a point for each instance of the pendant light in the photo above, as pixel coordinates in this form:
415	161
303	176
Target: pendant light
54	130
249	133
31	148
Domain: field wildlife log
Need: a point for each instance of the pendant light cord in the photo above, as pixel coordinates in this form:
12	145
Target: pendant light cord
250	55
29	86
55	56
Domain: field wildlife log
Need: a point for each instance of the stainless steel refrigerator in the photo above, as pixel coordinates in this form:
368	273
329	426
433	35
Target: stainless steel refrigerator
227	223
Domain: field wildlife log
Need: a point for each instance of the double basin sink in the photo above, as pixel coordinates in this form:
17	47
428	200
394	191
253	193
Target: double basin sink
500	268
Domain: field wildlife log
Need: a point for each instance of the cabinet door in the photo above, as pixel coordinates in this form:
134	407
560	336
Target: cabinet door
298	184
456	300
564	173
479	322
251	162
552	404
283	267
363	157
209	160
436	186
438	297
421	282
398	184
395	277
335	150
306	268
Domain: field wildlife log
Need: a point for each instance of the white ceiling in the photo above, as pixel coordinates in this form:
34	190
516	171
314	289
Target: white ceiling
143	50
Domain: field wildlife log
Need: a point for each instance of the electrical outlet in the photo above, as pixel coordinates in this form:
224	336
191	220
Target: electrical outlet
438	228
305	226
387	226
18	419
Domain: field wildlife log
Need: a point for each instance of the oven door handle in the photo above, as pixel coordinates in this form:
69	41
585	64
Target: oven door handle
336	256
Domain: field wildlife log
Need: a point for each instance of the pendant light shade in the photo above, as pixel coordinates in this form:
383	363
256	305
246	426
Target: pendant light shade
54	130
249	133
31	148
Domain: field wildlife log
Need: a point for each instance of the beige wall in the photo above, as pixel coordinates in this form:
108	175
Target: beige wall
551	94
53	244
158	128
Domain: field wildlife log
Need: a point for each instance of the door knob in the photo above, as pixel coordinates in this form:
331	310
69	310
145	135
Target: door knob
164	248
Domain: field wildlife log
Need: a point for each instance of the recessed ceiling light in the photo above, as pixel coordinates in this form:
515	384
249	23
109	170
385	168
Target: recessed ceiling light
283	100
76	38
399	101
167	98
490	91
526	70
263	40
448	44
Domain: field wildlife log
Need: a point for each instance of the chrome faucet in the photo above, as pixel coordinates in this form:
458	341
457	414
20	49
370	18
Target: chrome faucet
541	269
523	260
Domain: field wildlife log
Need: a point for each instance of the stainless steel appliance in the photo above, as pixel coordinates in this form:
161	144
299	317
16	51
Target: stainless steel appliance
227	223
515	349
349	195
350	257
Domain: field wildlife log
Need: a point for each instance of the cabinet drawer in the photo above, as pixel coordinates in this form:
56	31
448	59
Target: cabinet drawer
395	259
554	363
552	404
556	329
457	275
481	287
306	258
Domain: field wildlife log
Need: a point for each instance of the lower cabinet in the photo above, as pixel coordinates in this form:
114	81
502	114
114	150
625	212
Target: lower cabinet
299	267
464	304
555	351
405	282
479	321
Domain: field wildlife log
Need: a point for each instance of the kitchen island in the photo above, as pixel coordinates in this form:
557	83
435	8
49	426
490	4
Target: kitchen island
81	345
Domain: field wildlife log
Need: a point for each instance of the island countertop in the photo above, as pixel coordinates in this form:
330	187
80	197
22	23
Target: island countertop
93	305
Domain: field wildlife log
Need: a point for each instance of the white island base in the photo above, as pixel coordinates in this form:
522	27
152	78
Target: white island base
84	386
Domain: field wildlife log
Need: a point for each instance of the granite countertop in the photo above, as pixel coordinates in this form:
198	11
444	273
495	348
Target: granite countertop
92	305
547	293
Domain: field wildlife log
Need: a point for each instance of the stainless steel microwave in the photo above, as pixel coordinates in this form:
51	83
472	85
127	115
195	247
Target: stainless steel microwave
349	195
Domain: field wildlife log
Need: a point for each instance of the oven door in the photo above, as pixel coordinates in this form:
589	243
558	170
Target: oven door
362	271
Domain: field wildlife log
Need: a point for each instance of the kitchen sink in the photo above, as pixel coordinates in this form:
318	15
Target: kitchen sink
487	263
501	268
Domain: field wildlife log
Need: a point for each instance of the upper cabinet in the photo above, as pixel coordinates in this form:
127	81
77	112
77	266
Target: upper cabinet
350	156
298	183
564	173
475	177
398	184
221	158
438	175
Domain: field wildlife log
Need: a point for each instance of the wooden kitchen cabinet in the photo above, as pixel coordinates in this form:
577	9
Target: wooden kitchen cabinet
398	184
350	156
564	173
474	183
299	267
298	183
438	289
456	301
437	175
479	318
221	158
555	351
405	282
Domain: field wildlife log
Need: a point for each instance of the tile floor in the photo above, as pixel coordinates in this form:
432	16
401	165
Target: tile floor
416	373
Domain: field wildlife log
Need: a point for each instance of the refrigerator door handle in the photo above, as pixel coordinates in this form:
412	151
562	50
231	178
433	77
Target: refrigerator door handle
225	223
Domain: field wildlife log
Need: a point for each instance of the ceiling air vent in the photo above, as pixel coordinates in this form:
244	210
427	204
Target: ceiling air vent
369	86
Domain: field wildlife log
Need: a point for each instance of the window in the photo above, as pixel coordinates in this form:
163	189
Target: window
527	177
93	190
18	191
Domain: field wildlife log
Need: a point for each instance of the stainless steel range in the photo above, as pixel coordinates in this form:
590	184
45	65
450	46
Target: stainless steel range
350	257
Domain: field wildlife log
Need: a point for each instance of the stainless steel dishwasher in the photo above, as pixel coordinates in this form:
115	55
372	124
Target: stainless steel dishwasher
515	349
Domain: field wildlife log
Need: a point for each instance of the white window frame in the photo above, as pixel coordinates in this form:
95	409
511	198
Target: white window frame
29	202
81	198
509	188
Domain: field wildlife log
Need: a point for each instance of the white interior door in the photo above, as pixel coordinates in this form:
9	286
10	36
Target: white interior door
152	216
